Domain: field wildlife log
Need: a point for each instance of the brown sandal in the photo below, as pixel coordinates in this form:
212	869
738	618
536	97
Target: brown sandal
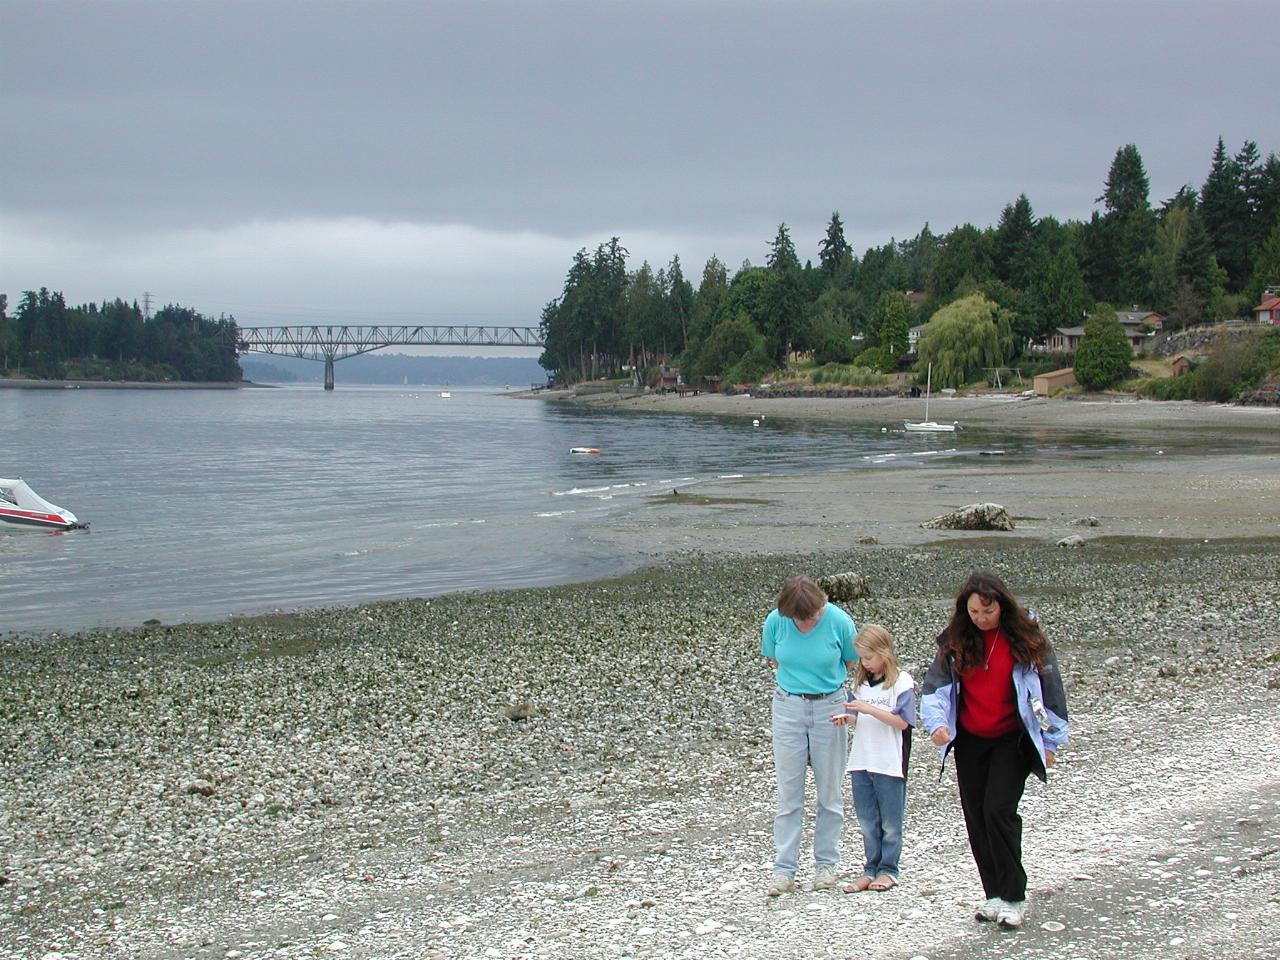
862	883
882	883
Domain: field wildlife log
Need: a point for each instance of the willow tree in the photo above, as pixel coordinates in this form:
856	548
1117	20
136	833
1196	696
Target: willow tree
963	339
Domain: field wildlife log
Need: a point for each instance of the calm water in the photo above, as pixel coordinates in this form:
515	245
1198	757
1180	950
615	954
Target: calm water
205	504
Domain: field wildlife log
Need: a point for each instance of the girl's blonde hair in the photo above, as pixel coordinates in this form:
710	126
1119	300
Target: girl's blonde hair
876	640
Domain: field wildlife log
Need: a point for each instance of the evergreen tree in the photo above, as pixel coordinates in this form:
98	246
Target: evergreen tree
679	293
966	252
1117	242
1195	262
785	314
1225	212
1266	267
1016	244
1127	188
782	252
1267	213
891	323
1161	261
1105	353
834	252
713	292
1058	296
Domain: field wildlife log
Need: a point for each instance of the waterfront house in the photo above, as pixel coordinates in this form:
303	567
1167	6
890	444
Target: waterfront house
1139	326
1268	311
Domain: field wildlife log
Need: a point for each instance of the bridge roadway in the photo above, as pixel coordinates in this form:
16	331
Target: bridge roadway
334	342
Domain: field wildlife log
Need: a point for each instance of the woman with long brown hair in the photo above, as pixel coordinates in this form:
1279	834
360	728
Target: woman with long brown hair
994	694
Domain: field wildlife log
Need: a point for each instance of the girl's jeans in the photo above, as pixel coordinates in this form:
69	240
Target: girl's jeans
880	801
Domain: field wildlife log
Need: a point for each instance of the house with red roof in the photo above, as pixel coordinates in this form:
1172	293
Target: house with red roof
1268	311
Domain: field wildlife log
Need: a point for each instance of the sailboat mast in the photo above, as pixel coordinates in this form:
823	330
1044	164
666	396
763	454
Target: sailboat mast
928	389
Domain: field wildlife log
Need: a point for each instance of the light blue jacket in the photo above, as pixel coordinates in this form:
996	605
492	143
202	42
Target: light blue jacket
1039	694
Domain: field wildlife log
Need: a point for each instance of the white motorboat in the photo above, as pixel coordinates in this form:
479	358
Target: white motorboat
926	425
23	507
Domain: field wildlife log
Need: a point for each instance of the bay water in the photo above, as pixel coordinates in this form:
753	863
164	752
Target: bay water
205	504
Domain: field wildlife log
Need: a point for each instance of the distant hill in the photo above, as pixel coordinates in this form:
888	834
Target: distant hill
398	368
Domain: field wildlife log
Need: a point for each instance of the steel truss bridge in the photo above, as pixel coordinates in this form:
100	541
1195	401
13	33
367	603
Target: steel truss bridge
333	343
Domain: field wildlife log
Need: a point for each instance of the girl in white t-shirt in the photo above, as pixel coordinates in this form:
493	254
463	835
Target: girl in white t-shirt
883	705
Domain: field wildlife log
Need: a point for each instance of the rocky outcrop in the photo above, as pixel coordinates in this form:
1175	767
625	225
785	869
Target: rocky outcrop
844	586
1267	395
975	516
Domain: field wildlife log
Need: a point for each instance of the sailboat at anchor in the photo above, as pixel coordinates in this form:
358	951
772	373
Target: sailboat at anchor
926	425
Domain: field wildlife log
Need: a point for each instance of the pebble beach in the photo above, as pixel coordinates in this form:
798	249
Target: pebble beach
585	771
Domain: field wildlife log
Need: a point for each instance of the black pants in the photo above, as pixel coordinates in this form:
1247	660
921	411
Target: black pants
992	774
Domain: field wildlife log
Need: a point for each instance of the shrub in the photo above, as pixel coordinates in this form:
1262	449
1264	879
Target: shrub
1105	352
848	376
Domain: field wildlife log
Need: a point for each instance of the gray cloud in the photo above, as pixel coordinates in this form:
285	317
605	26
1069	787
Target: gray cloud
450	157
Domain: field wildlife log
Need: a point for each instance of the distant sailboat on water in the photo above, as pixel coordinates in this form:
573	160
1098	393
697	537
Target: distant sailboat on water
926	425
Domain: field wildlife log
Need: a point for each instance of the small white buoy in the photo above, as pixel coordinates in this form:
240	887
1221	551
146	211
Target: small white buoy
755	423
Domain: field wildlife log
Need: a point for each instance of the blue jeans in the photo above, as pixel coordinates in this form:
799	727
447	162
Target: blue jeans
880	801
804	736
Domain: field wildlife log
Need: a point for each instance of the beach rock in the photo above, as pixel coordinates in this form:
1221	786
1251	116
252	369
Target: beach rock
1075	540
201	787
515	712
975	516
1086	521
844	586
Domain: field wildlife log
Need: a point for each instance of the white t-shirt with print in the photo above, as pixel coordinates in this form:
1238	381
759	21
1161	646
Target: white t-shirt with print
877	747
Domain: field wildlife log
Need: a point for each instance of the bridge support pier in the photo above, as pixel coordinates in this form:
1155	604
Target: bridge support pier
328	373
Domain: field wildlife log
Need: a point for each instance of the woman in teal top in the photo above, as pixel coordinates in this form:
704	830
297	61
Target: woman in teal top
810	644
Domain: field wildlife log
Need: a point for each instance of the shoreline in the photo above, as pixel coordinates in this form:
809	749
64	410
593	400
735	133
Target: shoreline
17	383
1008	411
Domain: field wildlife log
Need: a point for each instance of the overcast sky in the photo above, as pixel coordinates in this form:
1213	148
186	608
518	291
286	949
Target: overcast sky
432	162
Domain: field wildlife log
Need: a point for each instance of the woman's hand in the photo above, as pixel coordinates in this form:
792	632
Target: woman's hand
941	737
1048	759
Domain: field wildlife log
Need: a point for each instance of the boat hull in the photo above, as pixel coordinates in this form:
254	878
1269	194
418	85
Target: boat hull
928	426
43	521
20	506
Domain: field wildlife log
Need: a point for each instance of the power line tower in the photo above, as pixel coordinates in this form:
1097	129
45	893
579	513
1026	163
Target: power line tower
146	305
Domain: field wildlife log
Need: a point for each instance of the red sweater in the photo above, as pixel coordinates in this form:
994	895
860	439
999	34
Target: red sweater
987	708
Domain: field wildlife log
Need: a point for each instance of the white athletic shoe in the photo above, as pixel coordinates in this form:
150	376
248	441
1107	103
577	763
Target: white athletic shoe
989	911
779	885
1011	914
824	878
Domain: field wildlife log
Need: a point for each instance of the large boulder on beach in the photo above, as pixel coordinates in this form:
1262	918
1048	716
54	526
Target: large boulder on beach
844	586
975	516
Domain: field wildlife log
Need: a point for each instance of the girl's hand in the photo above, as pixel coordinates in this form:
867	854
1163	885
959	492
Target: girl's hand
842	719
941	737
1048	759
857	706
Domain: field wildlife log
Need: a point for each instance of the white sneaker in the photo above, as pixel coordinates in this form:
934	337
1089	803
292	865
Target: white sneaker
1011	914
779	885
989	911
824	878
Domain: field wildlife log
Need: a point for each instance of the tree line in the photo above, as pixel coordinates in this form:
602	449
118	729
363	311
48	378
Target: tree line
46	338
1204	255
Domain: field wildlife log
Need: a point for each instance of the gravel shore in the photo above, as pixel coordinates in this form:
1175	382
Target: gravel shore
585	771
